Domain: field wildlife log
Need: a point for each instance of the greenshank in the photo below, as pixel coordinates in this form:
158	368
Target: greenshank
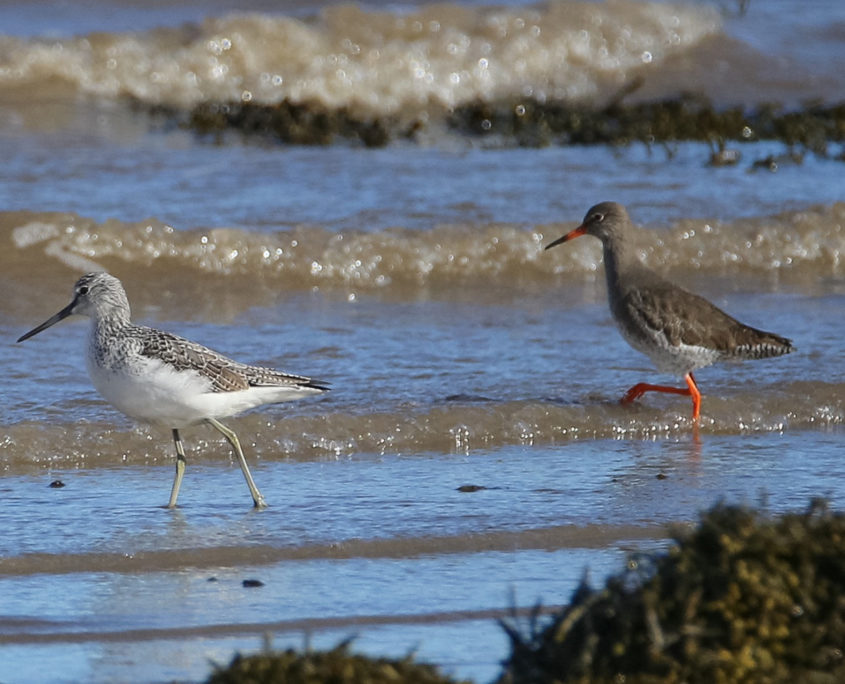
164	380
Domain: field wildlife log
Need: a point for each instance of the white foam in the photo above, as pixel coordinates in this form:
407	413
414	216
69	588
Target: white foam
380	62
34	232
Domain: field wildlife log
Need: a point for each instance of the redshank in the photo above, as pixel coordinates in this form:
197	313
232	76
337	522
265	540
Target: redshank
678	330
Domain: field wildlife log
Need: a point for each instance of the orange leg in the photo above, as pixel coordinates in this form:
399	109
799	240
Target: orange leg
640	389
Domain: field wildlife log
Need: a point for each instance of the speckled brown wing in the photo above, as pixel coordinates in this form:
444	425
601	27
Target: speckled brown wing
686	318
182	354
225	374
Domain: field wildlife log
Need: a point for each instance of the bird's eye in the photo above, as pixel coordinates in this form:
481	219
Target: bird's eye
83	290
597	217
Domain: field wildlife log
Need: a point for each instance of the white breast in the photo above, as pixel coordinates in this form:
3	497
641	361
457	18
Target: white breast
668	358
151	391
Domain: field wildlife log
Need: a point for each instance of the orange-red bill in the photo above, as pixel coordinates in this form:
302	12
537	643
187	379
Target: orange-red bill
580	230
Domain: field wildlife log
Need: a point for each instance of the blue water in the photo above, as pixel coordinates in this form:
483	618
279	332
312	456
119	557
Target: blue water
188	184
367	534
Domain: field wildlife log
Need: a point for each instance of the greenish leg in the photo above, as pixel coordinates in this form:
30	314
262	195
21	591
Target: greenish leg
230	435
180	469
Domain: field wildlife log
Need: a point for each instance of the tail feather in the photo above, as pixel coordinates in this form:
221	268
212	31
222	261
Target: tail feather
762	345
258	376
316	385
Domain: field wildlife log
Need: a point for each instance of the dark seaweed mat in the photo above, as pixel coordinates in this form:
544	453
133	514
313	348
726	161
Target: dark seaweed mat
528	123
742	598
335	666
687	118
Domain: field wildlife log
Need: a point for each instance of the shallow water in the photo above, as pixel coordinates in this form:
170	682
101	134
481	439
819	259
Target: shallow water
381	547
413	279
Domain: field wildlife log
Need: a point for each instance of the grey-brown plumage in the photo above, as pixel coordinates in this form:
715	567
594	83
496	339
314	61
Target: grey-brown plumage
678	330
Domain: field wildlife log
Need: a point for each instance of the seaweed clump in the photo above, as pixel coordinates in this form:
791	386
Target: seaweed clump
742	598
335	666
295	123
685	118
523	123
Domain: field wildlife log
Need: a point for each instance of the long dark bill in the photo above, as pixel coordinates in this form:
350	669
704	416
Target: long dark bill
580	230
64	313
